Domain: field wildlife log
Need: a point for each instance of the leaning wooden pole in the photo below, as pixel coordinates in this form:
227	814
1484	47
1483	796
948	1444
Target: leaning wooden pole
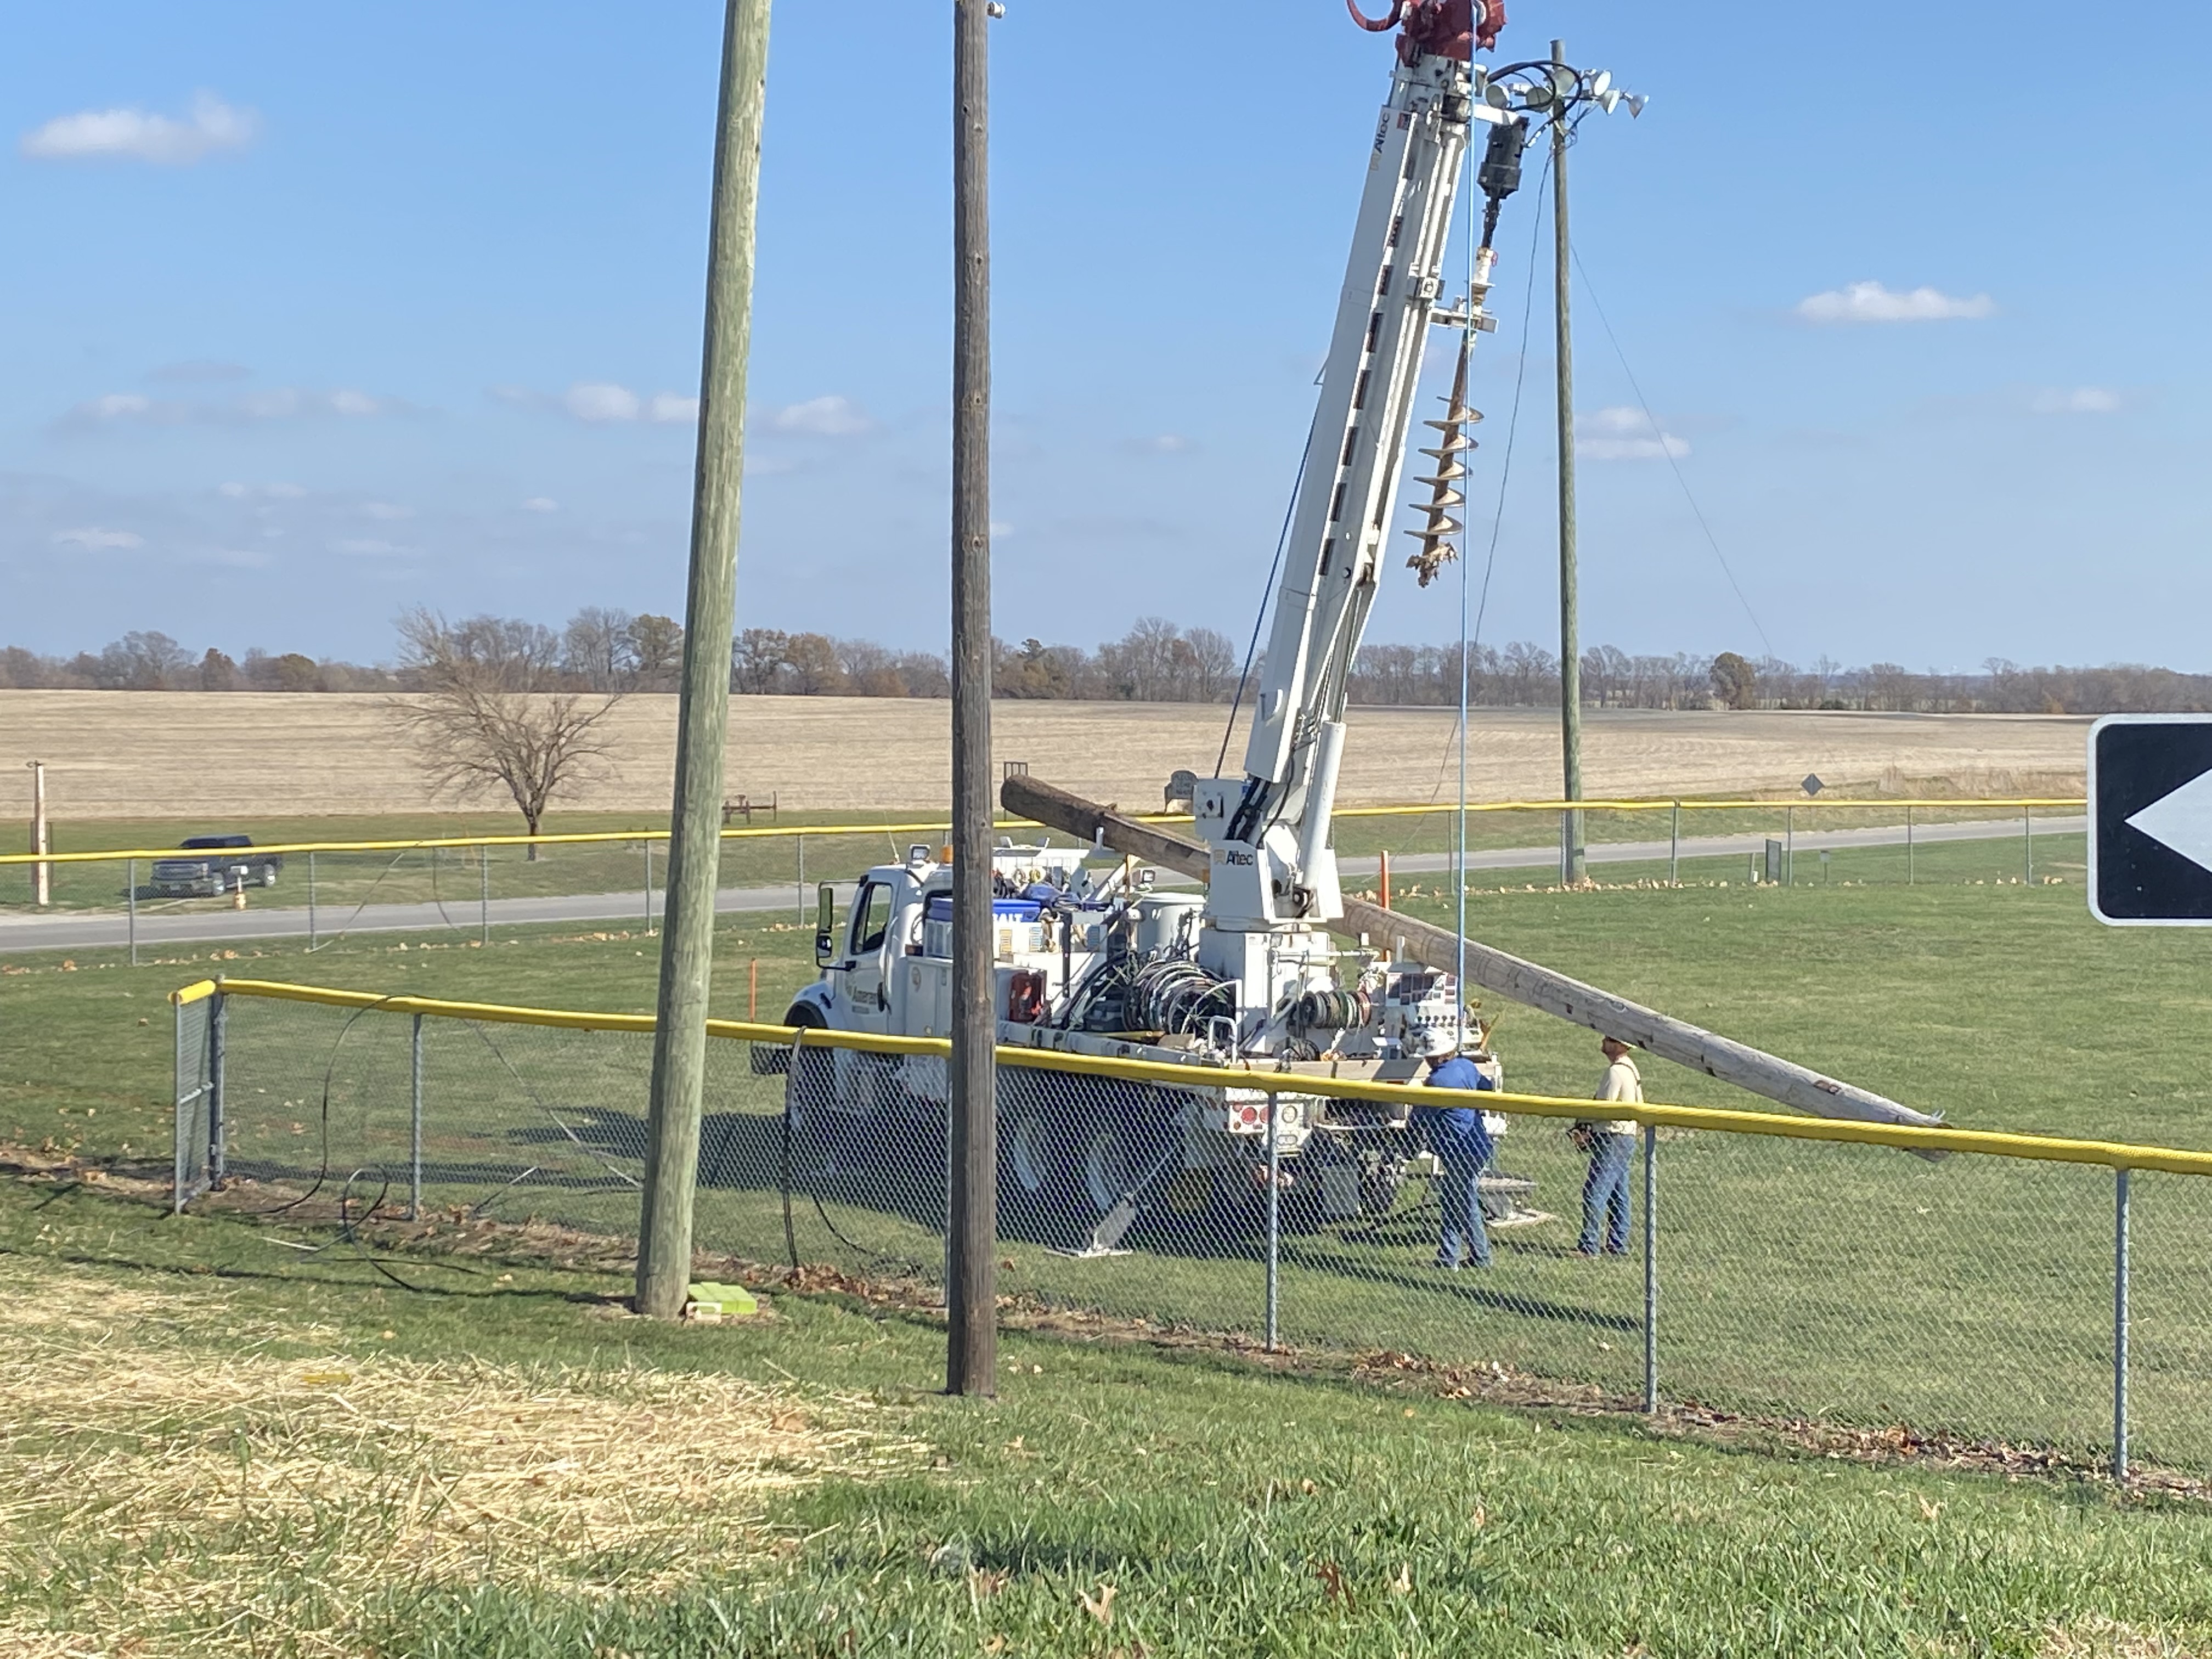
687	938
1510	976
971	1280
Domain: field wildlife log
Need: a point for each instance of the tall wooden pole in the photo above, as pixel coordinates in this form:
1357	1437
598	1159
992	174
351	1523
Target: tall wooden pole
687	939
971	1280
1571	637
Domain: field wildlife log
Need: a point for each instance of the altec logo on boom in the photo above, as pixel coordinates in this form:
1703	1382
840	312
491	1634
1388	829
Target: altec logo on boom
2150	820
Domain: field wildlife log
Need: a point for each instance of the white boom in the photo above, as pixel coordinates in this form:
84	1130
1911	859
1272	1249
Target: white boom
1273	865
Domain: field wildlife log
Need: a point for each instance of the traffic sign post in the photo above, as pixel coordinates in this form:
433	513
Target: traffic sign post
2150	820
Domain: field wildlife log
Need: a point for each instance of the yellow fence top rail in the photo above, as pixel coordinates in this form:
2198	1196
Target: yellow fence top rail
579	838
2112	1154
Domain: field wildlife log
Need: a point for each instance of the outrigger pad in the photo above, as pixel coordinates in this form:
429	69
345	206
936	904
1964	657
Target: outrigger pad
1105	1238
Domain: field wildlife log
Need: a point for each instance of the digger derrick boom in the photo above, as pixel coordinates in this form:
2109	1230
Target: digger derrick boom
1272	863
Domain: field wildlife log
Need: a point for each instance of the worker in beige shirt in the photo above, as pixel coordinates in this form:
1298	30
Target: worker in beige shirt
1610	1144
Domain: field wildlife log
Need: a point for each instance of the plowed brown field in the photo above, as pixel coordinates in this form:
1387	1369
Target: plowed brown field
120	754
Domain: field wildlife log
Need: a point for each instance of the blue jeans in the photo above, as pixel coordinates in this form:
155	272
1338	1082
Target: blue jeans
1460	1194
1605	1195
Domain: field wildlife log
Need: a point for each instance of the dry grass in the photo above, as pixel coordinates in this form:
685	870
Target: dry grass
189	1496
117	754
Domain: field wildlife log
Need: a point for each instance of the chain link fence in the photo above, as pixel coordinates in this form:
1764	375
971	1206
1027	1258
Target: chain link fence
468	890
2046	1304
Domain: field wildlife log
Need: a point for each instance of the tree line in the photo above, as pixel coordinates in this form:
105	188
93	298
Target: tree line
611	652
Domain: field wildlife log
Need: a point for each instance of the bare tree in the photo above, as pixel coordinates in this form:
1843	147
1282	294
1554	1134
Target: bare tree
596	648
487	712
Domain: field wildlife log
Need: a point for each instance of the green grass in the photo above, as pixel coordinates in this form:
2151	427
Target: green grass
1970	1296
1229	1511
453	875
458	876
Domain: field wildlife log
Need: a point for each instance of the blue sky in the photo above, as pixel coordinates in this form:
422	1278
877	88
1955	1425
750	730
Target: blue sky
313	314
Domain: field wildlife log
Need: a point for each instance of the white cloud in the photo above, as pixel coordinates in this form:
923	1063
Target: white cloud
275	492
1623	433
600	400
1164	443
822	417
117	405
2075	400
140	135
241	558
94	539
1002	529
1870	302
541	504
386	510
368	547
283	403
671	408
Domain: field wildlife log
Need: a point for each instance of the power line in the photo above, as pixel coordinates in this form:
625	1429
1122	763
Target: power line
1659	438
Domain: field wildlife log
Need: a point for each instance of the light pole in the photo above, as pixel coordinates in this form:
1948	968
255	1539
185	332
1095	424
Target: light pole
1552	92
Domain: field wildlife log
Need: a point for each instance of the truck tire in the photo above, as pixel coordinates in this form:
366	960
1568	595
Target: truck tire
1065	1164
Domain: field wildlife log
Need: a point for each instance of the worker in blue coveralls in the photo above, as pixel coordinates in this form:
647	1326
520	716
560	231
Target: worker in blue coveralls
1456	1135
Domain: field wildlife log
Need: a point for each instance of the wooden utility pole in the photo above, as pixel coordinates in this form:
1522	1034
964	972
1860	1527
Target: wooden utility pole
694	848
971	1279
1571	639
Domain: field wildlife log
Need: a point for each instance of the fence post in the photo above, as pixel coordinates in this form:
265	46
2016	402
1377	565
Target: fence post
218	1025
415	1122
2027	846
2120	1328
1274	1219
1650	1268
1789	847
647	845
131	901
1908	847
311	901
1566	851
484	895
801	842
1674	847
177	1114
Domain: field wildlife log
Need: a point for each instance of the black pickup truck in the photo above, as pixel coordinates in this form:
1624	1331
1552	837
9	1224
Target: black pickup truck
221	864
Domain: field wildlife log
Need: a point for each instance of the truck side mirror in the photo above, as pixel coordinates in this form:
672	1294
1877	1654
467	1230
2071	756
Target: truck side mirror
825	924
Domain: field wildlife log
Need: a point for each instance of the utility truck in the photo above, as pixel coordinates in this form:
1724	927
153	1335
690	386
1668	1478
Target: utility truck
1245	973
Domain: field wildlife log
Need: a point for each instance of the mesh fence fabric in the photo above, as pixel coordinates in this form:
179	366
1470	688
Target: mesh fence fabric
1965	1295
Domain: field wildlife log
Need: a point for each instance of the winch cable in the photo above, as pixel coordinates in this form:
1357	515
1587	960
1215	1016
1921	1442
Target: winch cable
1282	541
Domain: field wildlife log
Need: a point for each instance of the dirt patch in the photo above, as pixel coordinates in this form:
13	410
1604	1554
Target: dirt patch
140	754
191	1494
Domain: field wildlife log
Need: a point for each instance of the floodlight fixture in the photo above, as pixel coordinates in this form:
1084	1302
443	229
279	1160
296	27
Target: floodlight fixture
1497	95
1599	82
1636	103
1565	82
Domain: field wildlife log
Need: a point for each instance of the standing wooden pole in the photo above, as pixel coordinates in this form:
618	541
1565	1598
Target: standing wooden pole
694	843
971	1357
1571	867
1382	886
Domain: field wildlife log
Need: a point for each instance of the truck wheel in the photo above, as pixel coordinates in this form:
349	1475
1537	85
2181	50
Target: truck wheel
1036	1173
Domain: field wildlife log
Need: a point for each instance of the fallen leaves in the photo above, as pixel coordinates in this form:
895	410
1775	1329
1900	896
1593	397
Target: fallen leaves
1100	1605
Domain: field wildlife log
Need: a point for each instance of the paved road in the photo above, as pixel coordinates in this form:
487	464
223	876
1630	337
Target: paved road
79	930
